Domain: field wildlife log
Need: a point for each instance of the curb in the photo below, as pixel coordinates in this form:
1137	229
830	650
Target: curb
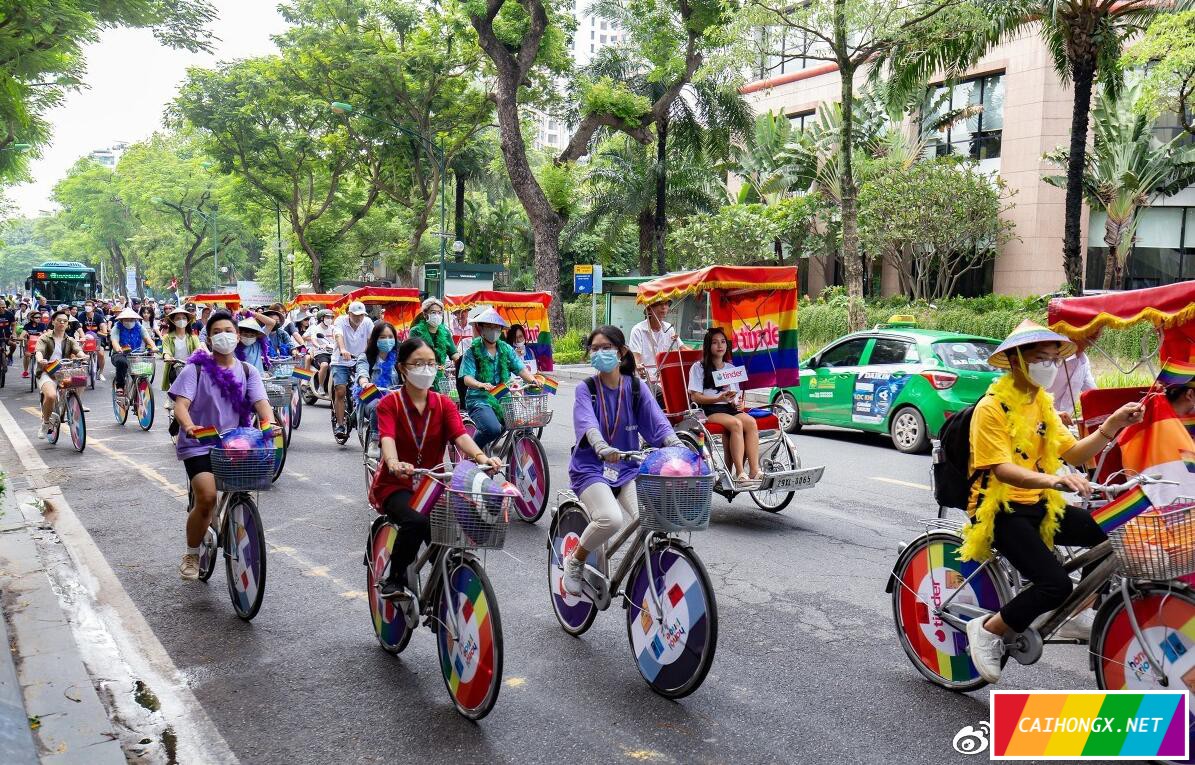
579	372
72	723
16	738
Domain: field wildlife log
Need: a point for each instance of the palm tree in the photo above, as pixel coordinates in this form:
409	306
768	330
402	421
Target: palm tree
1126	167
1085	39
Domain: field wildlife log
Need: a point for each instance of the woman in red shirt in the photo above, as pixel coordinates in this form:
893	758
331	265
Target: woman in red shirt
415	425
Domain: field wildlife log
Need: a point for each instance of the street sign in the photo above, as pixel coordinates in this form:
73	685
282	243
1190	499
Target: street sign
130	282
583	279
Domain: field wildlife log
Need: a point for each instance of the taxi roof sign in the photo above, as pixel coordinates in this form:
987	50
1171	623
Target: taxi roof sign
899	320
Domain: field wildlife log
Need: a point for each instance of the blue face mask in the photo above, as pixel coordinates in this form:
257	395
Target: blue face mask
605	360
386	344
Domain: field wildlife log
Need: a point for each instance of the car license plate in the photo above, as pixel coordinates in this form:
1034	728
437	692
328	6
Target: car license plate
797	479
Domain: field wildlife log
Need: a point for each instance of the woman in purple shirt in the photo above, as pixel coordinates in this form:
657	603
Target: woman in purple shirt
609	415
214	390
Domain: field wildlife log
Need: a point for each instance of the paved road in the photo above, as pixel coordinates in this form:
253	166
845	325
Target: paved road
808	667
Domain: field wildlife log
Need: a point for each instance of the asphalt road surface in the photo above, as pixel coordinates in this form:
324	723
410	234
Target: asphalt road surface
808	666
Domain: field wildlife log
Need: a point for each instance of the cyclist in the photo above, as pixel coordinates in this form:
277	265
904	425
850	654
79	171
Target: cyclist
177	345
517	337
490	362
95	323
213	390
37	323
604	423
721	404
650	337
1018	447
351	334
429	327
54	346
131	336
376	365
8	325
322	345
253	348
415	425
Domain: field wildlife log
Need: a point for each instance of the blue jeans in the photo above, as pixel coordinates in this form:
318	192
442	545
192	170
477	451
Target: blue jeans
488	426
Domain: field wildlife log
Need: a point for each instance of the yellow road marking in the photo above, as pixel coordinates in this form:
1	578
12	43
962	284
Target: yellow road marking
515	682
310	568
148	472
910	484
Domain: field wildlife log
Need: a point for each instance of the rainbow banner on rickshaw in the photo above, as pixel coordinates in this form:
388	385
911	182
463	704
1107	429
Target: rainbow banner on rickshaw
400	305
756	306
529	309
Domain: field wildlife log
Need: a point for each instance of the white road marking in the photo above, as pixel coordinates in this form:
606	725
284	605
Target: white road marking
898	482
198	738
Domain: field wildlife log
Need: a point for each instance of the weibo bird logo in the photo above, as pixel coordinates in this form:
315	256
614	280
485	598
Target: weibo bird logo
972	739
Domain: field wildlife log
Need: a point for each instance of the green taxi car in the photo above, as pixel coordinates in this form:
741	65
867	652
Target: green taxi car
894	379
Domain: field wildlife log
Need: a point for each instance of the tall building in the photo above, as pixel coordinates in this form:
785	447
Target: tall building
110	156
1026	112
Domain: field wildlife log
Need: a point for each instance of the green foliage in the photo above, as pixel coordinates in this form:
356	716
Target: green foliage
21	248
559	184
568	350
736	234
1167	51
607	97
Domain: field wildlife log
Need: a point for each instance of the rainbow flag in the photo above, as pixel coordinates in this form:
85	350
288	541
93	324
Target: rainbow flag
1175	372
299	373
425	496
369	393
1123	509
208	435
547	383
1189	423
1158	445
274	432
762	327
51	367
501	391
1189	461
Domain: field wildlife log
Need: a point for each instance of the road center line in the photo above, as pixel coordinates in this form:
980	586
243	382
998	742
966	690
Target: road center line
898	482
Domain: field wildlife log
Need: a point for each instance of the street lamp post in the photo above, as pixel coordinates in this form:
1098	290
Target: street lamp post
437	154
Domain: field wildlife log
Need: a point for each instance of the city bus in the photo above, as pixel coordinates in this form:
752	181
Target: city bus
62	282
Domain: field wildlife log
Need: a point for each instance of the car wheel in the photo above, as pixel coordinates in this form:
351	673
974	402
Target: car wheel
788	414
909	432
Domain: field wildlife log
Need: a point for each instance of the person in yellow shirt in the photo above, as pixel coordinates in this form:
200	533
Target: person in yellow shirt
1018	447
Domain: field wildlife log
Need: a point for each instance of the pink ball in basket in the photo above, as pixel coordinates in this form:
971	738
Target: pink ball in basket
243	439
674	461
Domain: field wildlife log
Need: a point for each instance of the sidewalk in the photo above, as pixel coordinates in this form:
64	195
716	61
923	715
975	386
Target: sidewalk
575	373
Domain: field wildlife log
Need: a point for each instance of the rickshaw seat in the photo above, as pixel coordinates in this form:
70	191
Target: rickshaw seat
674	383
1097	404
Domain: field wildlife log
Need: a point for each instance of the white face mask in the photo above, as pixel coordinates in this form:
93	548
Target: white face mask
521	345
225	342
327	322
1042	373
435	319
247	341
180	323
421	378
128	324
491	335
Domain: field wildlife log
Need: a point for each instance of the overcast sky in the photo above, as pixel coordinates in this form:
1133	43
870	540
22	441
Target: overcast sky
131	78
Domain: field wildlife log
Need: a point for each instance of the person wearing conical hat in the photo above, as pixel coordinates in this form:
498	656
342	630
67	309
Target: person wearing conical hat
488	364
1018	447
129	336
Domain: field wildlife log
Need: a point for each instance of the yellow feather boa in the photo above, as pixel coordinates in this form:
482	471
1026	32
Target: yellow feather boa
977	536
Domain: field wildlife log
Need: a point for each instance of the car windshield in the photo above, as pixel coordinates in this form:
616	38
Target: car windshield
968	355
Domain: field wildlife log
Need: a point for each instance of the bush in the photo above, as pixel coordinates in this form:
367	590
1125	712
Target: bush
568	350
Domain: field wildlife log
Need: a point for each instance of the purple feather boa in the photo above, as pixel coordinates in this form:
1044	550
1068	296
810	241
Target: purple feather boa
231	390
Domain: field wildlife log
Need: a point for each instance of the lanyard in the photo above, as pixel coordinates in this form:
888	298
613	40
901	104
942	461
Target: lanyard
609	431
427	421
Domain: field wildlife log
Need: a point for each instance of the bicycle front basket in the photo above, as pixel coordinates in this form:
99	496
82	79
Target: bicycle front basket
141	368
470	521
1158	545
526	411
281	369
243	469
278	392
674	503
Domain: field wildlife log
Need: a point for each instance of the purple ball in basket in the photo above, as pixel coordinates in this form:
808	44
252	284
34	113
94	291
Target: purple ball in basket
478	513
675	461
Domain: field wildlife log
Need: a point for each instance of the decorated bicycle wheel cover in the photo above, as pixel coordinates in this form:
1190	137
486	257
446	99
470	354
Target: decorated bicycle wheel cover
668	654
941	648
246	564
468	663
389	624
574	610
530	473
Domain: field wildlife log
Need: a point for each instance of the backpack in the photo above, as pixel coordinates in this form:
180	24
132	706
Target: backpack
592	383
952	461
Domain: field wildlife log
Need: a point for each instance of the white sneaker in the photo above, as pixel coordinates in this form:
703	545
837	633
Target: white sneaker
986	649
1079	627
189	568
373	451
572	575
102	378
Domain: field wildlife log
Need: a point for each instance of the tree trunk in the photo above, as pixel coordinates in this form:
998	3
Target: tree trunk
1082	75
459	214
317	282
778	248
661	217
852	261
647	237
1112	235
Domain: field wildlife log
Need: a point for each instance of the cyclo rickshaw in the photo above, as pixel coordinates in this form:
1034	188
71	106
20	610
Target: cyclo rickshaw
1141	636
525	412
306	300
757	308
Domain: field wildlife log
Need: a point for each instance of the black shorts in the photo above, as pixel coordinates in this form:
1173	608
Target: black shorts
323	358
720	409
200	463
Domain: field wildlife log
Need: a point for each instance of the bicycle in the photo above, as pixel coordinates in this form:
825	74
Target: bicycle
458	602
91	348
236	529
672	615
141	401
350	418
69	407
30	346
4	359
934	595
520	448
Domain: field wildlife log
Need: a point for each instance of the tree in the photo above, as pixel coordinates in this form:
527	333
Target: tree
736	234
22	247
525	43
856	36
41	53
1126	168
934	221
285	144
1167	50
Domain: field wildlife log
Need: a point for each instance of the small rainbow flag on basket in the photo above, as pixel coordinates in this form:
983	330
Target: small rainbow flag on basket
274	432
1123	509
547	383
52	366
207	435
1175	372
500	391
299	373
369	393
426	494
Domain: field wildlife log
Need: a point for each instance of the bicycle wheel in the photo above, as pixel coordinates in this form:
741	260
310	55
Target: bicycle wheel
673	652
145	403
91	364
453	454
279	458
75	421
389	623
209	549
296	406
244	555
283	416
1166	616
53	435
574	612
471	659
924	574
121	411
3	364
529	469
780	456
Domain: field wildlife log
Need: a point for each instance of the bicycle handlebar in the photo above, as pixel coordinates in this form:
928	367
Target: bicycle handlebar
1141	479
